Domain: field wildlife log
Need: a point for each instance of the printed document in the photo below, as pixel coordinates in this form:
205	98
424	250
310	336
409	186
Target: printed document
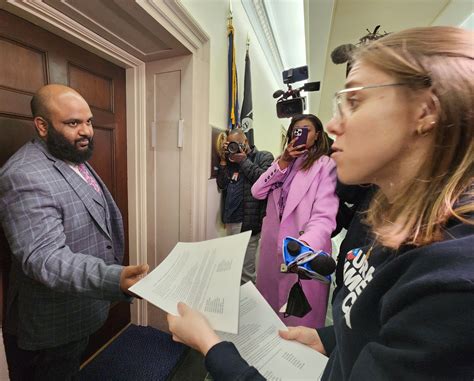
204	275
260	345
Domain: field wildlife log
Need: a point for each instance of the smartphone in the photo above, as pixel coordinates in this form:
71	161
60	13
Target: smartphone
301	134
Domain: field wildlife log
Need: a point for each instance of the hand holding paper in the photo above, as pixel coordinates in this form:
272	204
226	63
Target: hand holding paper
192	329
204	275
304	335
262	347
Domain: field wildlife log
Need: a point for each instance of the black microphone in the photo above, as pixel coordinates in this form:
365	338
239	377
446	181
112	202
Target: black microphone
278	93
323	265
342	53
293	248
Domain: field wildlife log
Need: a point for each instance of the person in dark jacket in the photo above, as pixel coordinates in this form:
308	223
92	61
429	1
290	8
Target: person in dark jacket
240	166
404	122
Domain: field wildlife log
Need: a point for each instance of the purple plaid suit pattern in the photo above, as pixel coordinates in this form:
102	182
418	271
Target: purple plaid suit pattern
70	280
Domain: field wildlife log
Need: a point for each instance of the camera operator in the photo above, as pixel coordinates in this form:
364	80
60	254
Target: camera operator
240	166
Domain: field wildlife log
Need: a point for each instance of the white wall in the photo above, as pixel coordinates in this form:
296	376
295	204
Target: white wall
211	15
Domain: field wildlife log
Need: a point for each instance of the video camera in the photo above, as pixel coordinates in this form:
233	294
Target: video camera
285	107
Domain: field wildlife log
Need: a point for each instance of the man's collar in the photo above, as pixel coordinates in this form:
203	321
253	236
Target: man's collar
253	151
41	144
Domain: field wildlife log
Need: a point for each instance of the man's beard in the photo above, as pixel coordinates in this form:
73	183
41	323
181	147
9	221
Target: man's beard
59	147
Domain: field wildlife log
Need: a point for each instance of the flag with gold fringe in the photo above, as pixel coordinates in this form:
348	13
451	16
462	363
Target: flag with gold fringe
232	75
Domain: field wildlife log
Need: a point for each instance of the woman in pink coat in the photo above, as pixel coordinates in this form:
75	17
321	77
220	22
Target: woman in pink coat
300	187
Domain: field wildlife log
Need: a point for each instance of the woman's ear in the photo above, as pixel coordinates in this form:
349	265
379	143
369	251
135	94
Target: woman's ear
428	115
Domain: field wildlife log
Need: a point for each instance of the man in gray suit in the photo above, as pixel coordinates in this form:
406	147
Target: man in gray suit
66	236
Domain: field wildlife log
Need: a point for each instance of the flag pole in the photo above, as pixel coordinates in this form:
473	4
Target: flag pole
229	17
233	108
246	114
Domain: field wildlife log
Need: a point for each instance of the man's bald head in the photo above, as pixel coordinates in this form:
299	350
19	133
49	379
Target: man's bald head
237	135
44	99
237	132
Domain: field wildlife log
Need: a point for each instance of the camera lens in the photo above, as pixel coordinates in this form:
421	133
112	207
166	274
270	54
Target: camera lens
233	147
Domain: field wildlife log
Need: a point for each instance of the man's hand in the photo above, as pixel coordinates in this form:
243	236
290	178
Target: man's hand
306	336
238	157
131	275
192	329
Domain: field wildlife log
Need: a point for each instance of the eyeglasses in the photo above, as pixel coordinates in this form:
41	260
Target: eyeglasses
342	104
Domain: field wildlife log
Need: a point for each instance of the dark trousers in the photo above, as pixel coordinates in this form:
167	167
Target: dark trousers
58	363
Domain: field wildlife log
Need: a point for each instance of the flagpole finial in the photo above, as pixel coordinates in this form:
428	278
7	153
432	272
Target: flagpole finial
248	42
229	17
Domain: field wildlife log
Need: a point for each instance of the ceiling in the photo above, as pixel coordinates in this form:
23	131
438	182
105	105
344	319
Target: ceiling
124	23
291	32
287	20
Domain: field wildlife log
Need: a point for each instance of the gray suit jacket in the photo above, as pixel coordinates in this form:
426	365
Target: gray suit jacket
67	242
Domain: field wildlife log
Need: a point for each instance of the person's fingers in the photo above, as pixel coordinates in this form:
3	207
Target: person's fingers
131	271
283	334
297	153
291	334
287	335
182	308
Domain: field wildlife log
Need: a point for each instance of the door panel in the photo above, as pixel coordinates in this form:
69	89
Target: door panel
164	158
102	160
32	57
23	68
97	89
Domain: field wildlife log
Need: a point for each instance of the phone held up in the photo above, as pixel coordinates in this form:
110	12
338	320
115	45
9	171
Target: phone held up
301	134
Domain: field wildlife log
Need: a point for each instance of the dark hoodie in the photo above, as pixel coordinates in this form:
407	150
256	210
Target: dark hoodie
405	315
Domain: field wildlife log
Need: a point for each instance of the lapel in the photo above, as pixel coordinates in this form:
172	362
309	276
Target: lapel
98	197
276	198
92	200
299	187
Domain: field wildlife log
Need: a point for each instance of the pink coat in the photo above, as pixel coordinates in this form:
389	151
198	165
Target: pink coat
309	215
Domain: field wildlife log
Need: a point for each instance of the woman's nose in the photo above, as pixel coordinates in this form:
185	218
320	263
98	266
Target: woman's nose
334	126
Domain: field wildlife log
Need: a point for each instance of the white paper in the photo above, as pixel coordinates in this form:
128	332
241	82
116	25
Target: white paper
260	345
204	275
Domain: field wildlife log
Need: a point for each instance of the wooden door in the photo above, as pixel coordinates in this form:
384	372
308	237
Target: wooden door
32	57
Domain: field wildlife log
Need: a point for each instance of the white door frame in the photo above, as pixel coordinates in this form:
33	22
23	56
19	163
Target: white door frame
176	20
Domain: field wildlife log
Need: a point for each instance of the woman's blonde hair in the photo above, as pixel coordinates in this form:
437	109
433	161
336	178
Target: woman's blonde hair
439	59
